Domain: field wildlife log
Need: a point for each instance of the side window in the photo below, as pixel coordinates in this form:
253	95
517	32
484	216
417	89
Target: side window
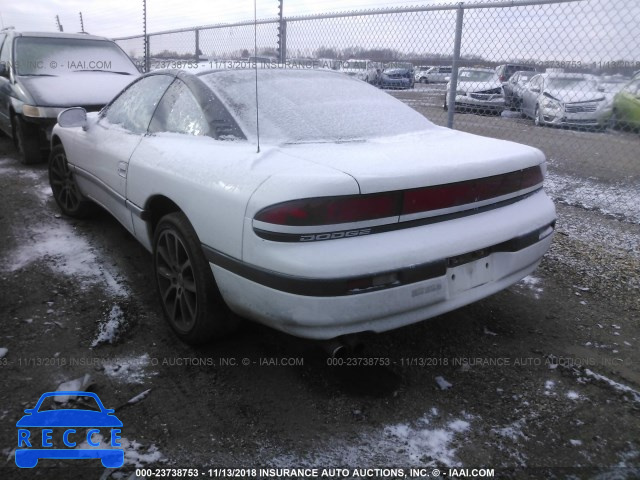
179	112
135	106
535	82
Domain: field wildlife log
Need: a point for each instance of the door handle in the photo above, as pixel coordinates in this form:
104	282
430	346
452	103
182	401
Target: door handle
122	169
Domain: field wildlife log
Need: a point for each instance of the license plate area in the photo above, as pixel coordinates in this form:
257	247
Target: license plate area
470	270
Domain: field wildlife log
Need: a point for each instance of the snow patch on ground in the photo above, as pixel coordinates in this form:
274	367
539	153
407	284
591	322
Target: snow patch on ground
129	369
513	431
65	251
618	387
616	200
135	454
531	283
110	330
430	441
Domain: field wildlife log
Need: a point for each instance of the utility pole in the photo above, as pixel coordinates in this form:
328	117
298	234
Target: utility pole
60	29
81	23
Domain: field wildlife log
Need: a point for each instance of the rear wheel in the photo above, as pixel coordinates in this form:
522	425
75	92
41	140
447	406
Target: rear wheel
26	141
64	187
190	298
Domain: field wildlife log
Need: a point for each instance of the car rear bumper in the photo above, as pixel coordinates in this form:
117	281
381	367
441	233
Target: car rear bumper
414	290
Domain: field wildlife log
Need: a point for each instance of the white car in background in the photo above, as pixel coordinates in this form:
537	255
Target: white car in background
364	70
333	226
564	99
479	90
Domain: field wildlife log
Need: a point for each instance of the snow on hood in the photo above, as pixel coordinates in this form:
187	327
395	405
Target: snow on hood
570	95
475	86
430	157
76	89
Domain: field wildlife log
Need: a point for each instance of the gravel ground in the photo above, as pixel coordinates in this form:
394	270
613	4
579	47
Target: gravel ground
539	381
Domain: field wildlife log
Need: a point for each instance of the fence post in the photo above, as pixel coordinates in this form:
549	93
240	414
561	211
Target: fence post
282	42
146	53
451	101
197	45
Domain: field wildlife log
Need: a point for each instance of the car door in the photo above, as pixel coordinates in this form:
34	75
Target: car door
101	153
530	95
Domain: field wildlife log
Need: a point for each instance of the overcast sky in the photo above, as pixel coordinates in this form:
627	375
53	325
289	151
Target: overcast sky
114	18
591	30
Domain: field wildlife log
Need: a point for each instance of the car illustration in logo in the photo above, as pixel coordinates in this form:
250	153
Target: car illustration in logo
101	427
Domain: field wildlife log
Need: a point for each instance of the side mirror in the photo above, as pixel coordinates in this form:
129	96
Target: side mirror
73	117
4	71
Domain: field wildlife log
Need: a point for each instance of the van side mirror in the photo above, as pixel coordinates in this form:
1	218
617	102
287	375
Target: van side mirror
73	117
4	71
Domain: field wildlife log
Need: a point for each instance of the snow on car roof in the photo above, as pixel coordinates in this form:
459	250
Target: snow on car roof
309	106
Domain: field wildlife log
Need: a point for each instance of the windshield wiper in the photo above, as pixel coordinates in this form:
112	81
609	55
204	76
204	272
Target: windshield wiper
107	71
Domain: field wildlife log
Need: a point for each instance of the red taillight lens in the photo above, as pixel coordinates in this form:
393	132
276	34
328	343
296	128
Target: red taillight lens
461	193
332	210
531	176
358	208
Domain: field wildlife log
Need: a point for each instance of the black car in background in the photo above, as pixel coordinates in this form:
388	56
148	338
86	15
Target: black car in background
506	71
41	74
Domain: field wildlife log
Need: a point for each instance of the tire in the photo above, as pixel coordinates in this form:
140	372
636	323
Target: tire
190	298
26	141
537	117
64	187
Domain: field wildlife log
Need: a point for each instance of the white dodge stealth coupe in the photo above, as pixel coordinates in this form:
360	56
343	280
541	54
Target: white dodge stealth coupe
341	222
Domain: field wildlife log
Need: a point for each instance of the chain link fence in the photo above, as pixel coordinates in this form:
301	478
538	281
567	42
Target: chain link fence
560	75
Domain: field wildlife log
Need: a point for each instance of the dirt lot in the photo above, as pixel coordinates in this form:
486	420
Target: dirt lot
539	381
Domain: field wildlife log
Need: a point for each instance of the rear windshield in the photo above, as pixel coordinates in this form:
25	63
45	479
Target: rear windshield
58	56
562	83
476	76
511	69
299	106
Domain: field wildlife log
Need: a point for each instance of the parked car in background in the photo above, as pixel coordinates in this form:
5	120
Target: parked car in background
398	78
506	71
513	88
297	235
41	74
420	73
565	99
610	85
364	70
626	106
437	75
478	90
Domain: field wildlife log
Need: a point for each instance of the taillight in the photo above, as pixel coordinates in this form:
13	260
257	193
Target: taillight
470	191
332	210
358	208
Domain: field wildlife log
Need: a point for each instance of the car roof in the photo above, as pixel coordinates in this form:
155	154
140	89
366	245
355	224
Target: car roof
60	35
478	69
